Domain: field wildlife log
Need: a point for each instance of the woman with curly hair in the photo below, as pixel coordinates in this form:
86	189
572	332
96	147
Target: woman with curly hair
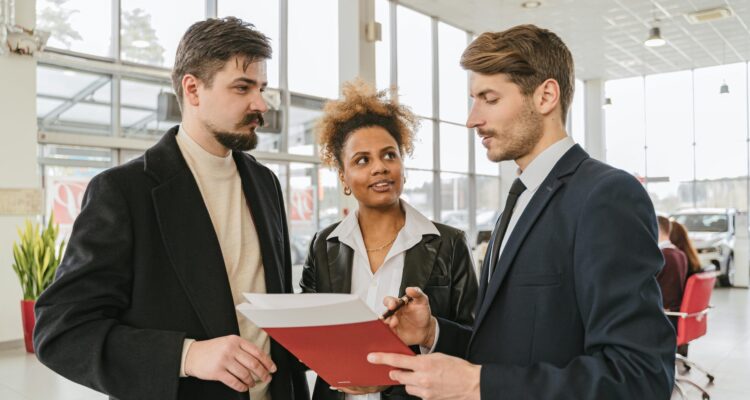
386	244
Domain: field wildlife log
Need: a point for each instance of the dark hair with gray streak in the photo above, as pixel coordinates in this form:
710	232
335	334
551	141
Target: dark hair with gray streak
208	45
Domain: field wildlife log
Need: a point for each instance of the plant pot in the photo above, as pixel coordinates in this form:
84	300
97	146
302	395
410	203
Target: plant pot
28	320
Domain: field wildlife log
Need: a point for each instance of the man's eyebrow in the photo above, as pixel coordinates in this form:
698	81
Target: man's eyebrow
251	82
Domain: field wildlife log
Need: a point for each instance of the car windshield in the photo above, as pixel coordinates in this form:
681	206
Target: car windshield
703	222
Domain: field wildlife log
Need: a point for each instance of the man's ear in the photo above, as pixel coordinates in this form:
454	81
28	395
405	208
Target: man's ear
190	85
547	96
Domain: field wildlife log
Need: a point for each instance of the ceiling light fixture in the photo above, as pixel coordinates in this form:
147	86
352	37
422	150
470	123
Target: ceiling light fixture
724	88
531	4
654	38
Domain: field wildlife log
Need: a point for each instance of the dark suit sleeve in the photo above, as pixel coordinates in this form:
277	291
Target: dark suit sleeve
78	333
464	284
308	283
629	346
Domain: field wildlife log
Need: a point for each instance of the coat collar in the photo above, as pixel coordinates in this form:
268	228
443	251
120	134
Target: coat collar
190	239
420	236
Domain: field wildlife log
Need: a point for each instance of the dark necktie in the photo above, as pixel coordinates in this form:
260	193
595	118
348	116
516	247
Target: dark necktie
515	191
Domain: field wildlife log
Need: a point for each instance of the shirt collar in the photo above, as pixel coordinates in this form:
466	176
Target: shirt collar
542	165
416	225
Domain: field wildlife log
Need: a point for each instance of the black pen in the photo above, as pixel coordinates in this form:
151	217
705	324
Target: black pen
401	302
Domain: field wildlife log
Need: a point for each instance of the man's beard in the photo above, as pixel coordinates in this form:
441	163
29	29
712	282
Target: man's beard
520	138
240	141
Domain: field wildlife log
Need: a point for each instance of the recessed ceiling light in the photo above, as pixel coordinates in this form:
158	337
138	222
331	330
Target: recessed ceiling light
531	4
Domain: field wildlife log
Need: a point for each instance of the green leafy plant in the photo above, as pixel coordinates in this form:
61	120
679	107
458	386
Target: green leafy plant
36	257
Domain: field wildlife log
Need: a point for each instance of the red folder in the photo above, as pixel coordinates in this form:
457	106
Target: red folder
330	333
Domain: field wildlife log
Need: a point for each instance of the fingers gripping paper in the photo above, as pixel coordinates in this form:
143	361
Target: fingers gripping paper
330	333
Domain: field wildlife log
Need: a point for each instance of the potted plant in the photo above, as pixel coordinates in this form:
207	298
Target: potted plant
36	258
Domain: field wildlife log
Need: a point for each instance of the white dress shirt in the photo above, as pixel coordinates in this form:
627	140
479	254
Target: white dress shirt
533	176
386	281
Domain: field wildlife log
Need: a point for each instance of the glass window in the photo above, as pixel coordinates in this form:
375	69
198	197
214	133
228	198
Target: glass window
453	80
415	61
383	47
423	143
139	102
301	216
669	135
313	47
328	197
577	114
82	26
302	130
624	125
720	136
265	16
418	191
454	148
73	101
482	164
64	188
454	200
488	202
151	30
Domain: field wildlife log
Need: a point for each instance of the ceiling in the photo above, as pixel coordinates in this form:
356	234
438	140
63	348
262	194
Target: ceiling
606	36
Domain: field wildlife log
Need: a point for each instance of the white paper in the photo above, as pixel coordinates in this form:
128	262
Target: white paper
308	309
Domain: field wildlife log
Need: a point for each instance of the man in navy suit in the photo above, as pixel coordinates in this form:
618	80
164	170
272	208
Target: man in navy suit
568	307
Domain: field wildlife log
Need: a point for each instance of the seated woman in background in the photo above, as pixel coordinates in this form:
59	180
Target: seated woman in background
386	244
680	239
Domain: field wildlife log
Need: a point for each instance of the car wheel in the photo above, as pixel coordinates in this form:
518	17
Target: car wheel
727	279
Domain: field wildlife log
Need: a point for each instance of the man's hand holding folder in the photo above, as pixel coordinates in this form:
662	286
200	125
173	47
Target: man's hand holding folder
330	333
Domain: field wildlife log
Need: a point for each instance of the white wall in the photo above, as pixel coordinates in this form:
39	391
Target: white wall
19	169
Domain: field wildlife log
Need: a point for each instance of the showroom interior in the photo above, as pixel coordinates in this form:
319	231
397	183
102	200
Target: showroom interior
662	91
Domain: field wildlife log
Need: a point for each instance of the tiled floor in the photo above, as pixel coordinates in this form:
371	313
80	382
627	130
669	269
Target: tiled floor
724	351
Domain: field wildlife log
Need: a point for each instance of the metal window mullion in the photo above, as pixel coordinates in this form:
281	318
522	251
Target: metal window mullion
436	165
645	136
747	139
392	11
473	180
695	159
116	39
286	100
212	8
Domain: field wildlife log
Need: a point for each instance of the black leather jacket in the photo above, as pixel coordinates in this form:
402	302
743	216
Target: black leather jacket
440	265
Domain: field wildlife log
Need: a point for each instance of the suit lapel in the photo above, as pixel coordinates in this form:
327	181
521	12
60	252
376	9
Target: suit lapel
190	239
546	191
418	263
265	210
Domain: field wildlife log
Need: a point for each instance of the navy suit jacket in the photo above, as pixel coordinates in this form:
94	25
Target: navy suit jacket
143	270
573	310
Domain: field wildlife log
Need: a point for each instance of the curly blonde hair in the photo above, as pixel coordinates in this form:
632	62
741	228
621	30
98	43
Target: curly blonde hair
362	106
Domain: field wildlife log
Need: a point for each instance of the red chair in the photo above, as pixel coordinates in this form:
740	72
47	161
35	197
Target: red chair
692	322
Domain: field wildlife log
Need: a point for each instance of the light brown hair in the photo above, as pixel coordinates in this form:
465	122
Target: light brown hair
529	55
664	224
208	45
680	239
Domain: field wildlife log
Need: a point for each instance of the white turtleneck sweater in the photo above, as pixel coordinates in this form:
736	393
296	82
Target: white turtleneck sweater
221	188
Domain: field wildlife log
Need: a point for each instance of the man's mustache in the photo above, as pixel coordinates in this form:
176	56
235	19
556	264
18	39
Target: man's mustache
253	118
486	132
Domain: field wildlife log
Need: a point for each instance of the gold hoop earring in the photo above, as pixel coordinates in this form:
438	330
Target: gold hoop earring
347	190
